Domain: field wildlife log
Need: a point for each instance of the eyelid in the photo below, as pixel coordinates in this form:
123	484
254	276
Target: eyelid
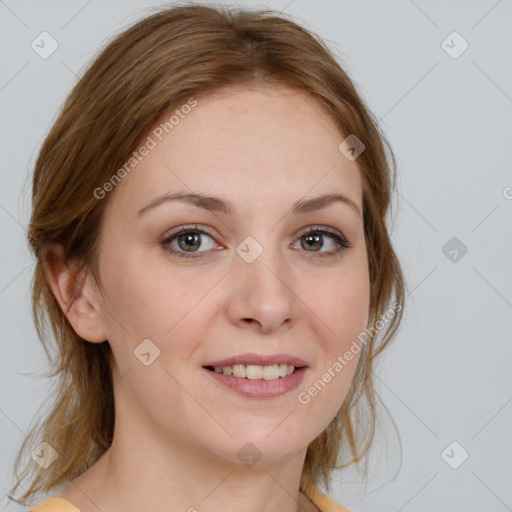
321	229
185	229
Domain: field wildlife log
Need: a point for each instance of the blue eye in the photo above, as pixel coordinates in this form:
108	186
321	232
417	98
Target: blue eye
186	242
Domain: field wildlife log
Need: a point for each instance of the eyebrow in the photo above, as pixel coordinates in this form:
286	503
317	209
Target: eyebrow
221	205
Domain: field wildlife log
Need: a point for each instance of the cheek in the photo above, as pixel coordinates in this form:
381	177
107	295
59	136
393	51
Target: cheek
145	295
339	317
339	351
153	302
340	306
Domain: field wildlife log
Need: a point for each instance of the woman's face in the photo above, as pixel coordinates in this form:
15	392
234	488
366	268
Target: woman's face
244	279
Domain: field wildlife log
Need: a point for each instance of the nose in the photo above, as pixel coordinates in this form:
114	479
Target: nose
263	293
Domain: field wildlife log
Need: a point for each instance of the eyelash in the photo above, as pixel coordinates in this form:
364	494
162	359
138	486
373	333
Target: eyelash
342	242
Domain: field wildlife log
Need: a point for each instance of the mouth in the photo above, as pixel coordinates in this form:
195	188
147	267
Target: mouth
250	385
256	372
258	376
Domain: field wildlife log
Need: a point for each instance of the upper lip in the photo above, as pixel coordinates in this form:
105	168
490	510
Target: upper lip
260	360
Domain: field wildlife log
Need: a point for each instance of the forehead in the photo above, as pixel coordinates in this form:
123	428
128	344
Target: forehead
253	145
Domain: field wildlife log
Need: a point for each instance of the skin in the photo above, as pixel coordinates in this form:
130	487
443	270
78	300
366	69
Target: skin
178	431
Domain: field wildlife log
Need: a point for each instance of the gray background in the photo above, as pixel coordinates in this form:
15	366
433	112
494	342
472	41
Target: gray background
446	377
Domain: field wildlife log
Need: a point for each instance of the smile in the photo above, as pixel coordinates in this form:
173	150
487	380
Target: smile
255	372
252	385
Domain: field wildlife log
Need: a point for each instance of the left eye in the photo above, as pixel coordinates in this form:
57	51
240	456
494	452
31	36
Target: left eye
314	238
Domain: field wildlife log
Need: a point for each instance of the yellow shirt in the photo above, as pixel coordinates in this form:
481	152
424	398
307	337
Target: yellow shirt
322	501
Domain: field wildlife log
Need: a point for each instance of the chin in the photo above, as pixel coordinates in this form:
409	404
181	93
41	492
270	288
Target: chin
261	445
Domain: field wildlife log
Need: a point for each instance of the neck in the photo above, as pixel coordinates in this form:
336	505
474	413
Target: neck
148	477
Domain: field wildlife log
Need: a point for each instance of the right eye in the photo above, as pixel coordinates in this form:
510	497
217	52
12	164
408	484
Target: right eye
186	242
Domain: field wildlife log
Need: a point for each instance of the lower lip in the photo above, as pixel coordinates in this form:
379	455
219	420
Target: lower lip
260	388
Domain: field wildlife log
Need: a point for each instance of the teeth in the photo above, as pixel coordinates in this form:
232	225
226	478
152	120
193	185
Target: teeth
257	372
254	372
283	370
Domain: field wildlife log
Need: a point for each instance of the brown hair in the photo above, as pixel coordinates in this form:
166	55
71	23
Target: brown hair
155	65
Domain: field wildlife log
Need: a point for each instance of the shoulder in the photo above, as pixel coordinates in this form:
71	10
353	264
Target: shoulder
324	502
55	504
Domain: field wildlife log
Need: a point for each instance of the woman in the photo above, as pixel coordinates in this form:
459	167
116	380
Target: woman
212	257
